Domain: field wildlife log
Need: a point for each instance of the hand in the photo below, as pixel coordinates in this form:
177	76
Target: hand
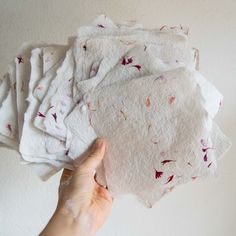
83	204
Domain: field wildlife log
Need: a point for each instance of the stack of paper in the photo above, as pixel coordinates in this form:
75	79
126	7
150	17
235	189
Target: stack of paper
138	88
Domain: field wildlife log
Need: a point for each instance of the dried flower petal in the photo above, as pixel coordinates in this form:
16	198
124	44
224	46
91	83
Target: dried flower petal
154	142
148	102
40	114
203	142
20	59
163	27
9	127
127	61
55	116
39	87
100	26
169	179
171	100
167	161
137	66
161	77
209	165
205	149
124	115
158	174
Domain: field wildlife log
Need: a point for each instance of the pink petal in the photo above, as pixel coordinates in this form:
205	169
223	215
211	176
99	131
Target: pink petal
163	27
171	100
148	102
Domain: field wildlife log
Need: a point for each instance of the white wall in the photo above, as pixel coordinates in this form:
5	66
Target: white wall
204	208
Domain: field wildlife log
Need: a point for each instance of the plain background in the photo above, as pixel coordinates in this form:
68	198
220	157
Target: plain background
205	208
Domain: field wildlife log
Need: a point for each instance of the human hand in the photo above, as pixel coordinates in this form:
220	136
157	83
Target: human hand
83	204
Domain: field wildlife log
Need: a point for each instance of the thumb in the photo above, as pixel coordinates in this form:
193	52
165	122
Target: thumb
94	157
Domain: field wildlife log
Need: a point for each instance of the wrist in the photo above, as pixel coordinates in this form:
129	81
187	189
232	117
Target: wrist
62	223
59	225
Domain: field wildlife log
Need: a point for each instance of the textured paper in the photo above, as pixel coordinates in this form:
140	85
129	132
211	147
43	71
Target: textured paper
57	101
160	128
8	113
35	148
138	88
37	144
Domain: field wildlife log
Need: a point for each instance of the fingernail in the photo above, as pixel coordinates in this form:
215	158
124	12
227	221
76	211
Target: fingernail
98	143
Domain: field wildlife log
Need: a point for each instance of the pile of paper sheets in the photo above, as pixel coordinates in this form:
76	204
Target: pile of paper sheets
138	88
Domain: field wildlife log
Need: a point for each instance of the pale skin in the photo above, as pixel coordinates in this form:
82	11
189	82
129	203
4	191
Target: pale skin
83	205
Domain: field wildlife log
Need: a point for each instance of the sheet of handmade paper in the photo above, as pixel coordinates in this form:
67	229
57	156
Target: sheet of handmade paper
154	141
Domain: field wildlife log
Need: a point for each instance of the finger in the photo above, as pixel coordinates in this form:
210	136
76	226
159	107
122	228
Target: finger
94	157
66	174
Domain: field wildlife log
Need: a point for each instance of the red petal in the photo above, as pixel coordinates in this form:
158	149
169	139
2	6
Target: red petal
169	179
137	66
167	161
127	61
205	149
158	174
40	114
